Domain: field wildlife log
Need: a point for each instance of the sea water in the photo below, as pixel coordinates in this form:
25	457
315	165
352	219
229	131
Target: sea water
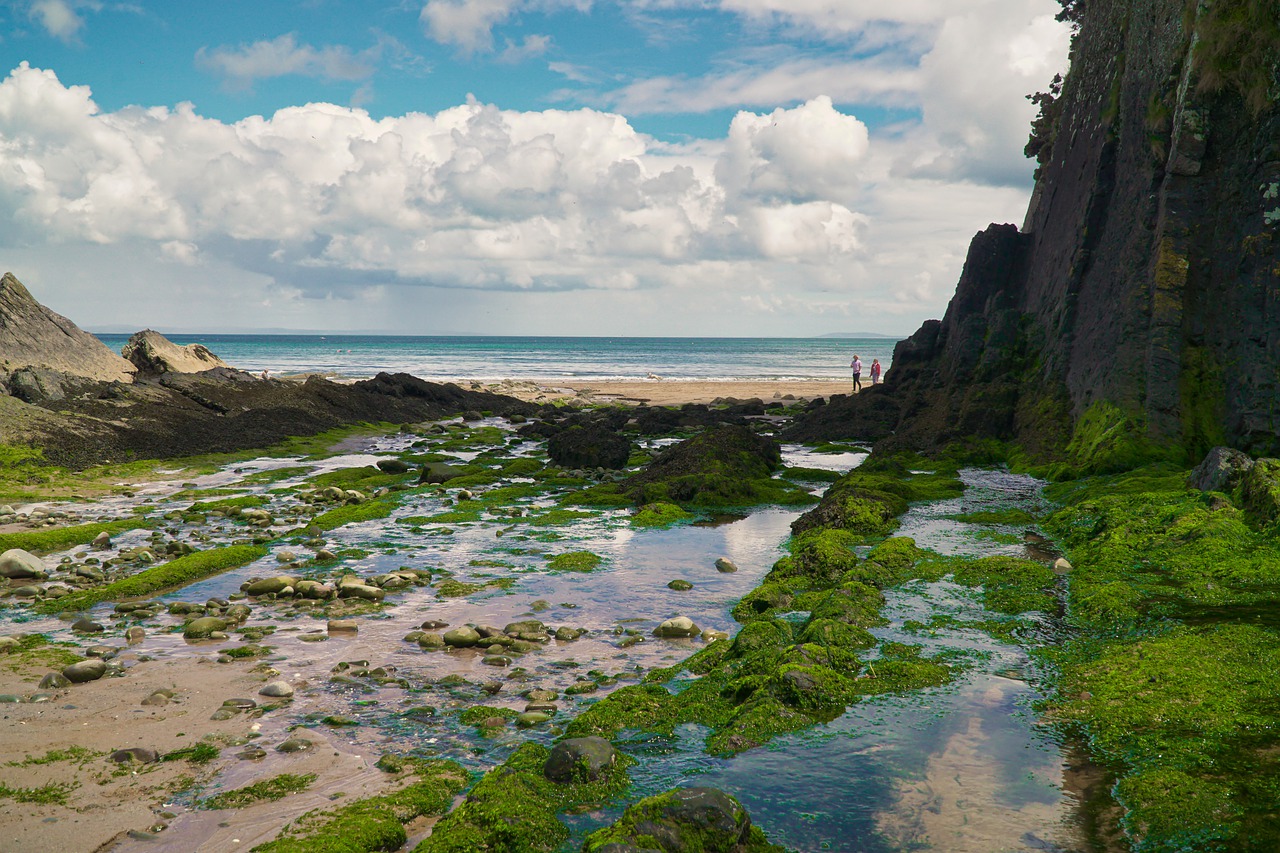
543	358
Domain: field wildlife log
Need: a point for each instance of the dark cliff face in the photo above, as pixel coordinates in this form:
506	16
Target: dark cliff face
1145	282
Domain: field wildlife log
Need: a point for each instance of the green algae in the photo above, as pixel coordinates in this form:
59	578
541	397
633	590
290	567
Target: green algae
1000	516
514	807
574	561
659	515
376	823
78	754
55	793
171	575
200	753
363	479
54	539
243	502
268	790
1010	585
353	514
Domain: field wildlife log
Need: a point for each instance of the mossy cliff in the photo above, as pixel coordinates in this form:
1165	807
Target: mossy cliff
1146	276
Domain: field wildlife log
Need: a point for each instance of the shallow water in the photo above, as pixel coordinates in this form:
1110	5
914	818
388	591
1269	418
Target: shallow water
963	767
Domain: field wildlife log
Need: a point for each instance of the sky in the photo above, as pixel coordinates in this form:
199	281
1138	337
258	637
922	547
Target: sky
540	167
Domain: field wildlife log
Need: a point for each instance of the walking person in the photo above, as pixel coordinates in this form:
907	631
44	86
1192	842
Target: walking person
856	367
875	371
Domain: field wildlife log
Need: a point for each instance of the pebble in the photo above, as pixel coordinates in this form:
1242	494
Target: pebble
725	565
680	585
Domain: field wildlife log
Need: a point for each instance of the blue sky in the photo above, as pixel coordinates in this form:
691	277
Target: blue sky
512	166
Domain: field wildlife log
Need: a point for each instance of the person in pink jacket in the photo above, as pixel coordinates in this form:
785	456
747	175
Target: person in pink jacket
856	367
875	371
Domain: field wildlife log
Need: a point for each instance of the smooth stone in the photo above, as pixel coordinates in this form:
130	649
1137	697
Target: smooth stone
139	754
101	542
539	694
274	584
433	625
680	585
711	634
1061	566
285	557
726	566
17	564
393	466
545	707
226	712
360	590
276	690
85	670
462	637
532	718
202	627
295	743
676	627
315	590
27	592
86	626
528	626
496	660
565	635
349	626
135	634
54	681
431	640
157	700
240	704
9	643
253	753
580	759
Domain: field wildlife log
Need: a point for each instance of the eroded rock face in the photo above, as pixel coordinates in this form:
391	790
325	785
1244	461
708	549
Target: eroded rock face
33	336
152	354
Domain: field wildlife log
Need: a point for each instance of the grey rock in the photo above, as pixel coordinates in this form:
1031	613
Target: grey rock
87	626
276	690
153	354
462	637
54	681
582	759
676	627
31	334
438	472
295	743
85	670
341	626
725	565
138	754
17	564
275	585
1220	470
203	627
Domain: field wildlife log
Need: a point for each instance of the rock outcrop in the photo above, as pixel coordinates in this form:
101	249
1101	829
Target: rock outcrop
152	353
32	336
1141	297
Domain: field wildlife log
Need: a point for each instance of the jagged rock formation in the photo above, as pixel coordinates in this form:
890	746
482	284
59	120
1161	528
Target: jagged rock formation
152	353
1143	292
32	336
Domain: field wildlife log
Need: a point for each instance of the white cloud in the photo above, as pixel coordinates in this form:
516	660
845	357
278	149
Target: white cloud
283	56
468	24
58	17
531	47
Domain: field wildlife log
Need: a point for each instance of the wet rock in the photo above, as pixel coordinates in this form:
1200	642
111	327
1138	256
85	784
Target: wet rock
204	627
431	640
462	637
27	592
725	565
17	564
277	690
684	819
393	466
135	634
252	753
85	670
582	759
275	585
539	694
314	590
532	718
138	754
680	585
496	660
566	635
101	542
545	707
433	625
54	681
343	626
589	446
295	743
679	626
158	698
439	472
710	634
362	591
527	626
493	688
102	651
87	626
1061	566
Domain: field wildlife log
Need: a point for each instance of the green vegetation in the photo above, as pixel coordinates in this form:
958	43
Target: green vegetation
659	515
574	561
245	502
514	807
170	575
35	652
51	794
1002	516
665	817
266	791
376	823
54	539
1239	49
353	514
200	753
54	756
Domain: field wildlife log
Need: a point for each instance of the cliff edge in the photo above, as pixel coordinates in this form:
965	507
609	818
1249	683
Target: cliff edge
1138	308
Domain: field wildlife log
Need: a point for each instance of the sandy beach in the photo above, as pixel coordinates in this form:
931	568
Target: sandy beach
662	392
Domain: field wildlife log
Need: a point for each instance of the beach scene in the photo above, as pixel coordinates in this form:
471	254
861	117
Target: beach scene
640	427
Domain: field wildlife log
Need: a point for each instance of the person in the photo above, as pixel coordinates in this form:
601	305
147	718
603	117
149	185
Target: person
856	367
875	371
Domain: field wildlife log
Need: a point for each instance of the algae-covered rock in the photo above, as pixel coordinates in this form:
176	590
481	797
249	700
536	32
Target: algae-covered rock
462	637
1220	471
439	472
275	585
703	819
589	446
582	759
722	466
203	627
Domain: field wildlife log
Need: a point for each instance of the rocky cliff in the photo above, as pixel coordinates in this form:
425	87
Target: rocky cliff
32	336
152	353
1140	300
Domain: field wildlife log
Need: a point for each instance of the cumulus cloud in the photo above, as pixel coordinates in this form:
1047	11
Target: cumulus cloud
530	47
472	197
283	56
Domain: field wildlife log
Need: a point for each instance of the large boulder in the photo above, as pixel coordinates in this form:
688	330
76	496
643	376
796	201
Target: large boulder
152	353
33	336
1220	471
589	446
704	819
17	564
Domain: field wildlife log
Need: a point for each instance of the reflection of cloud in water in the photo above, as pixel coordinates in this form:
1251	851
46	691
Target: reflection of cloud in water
964	803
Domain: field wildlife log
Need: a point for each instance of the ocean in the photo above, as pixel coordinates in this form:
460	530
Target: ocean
542	358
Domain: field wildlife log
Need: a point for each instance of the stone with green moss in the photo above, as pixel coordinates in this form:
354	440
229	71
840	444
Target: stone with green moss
698	820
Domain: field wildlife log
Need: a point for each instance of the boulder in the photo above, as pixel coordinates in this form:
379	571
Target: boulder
85	670
17	564
276	690
1220	471
33	336
589	446
202	627
153	354
275	584
676	627
462	637
705	819
580	759
439	472
393	466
